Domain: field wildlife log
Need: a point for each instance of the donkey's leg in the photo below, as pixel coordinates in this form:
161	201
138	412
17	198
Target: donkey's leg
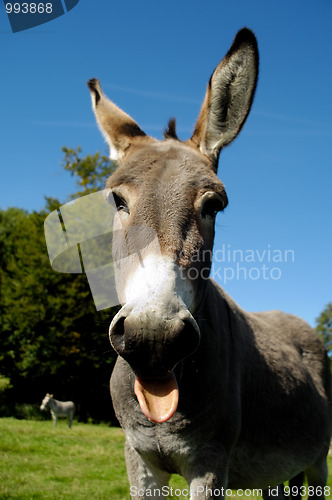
54	418
207	474
317	478
295	486
145	478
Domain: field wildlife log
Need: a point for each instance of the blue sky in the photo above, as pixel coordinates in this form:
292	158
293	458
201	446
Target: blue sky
154	60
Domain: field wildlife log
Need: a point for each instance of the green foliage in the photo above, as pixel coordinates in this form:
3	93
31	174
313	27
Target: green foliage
28	411
4	383
52	338
324	327
90	171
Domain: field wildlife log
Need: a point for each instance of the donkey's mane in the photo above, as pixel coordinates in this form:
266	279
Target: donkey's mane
170	132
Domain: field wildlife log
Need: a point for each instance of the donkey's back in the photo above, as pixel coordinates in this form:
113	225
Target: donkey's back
285	399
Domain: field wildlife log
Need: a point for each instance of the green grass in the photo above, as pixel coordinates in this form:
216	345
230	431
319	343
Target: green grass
84	463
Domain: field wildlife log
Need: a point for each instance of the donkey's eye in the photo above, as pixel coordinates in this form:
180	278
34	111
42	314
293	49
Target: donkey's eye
120	203
212	206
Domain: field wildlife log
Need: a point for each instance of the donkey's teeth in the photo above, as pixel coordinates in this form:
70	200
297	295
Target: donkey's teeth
158	399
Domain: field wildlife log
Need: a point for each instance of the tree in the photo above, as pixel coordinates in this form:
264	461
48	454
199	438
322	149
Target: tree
52	338
324	327
90	171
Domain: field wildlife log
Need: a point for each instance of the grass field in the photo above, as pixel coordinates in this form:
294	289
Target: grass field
84	463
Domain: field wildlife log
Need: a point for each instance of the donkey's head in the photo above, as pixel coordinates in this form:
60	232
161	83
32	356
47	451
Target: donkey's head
46	401
169	189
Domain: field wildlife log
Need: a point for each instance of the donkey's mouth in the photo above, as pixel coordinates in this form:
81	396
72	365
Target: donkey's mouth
158	398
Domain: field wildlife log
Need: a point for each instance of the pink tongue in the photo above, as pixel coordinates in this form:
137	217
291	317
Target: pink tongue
158	399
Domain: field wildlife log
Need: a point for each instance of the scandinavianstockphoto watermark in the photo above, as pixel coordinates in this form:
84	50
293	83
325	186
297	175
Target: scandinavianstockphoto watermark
230	264
267	263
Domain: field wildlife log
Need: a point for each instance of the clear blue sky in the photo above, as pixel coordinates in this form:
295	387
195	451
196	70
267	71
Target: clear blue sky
154	60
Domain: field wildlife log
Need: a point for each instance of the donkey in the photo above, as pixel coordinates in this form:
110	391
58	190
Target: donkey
58	408
223	397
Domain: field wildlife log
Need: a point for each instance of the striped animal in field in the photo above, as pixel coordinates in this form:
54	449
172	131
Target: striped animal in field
58	408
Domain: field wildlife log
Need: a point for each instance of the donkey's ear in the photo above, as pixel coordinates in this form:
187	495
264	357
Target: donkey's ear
118	128
228	97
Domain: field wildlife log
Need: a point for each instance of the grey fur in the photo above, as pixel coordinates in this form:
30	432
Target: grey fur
255	397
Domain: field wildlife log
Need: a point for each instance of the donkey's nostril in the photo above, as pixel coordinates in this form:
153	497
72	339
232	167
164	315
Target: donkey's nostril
187	337
153	344
116	334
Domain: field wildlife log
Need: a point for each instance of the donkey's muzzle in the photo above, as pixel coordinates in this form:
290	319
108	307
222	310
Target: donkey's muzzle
151	343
